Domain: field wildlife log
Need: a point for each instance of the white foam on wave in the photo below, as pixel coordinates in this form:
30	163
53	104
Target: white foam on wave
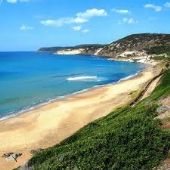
129	77
84	78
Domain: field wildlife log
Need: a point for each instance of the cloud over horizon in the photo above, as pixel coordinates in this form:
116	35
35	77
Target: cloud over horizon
167	4
80	18
26	28
127	20
80	29
13	1
121	11
156	8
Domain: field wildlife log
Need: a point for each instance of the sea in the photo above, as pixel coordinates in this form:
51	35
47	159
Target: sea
30	79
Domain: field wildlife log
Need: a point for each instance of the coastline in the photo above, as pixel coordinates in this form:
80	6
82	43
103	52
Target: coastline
51	123
36	106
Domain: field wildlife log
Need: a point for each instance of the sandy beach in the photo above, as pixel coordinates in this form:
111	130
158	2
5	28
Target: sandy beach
50	124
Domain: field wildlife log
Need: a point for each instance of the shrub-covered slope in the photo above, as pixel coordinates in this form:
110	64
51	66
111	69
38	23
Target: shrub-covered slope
136	42
127	139
135	45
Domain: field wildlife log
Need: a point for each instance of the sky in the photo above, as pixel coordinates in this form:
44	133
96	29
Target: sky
26	25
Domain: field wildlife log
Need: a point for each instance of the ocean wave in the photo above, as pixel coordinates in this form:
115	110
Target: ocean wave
84	78
129	77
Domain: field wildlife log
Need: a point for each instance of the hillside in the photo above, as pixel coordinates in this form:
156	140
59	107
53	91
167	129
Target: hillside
135	43
135	47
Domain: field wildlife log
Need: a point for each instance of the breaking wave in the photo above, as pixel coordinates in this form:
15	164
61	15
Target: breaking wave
84	78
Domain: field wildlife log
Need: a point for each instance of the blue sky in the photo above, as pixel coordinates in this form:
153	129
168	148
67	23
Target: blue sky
30	24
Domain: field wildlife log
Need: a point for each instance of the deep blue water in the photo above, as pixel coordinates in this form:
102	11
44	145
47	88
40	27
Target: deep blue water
31	78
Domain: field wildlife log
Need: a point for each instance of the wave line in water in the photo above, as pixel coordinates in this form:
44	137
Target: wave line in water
84	78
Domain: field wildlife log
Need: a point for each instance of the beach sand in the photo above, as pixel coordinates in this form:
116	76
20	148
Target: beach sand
50	124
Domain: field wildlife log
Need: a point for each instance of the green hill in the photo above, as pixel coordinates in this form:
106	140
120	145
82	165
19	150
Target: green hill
140	45
129	138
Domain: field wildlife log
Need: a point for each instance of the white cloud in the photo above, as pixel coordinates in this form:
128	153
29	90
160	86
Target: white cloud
26	28
167	4
121	11
85	30
80	18
77	28
89	13
128	21
57	23
156	8
14	1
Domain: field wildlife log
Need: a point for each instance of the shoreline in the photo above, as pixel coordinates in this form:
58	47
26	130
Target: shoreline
50	124
36	106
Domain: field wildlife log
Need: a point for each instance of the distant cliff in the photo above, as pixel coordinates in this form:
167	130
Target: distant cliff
135	47
79	49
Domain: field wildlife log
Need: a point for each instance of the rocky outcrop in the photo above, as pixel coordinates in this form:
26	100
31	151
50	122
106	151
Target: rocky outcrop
162	109
11	156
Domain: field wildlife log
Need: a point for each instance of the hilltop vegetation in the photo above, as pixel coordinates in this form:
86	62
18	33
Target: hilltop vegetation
129	138
159	52
139	44
136	42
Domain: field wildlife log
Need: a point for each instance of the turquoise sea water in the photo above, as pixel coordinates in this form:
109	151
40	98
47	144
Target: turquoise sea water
31	78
